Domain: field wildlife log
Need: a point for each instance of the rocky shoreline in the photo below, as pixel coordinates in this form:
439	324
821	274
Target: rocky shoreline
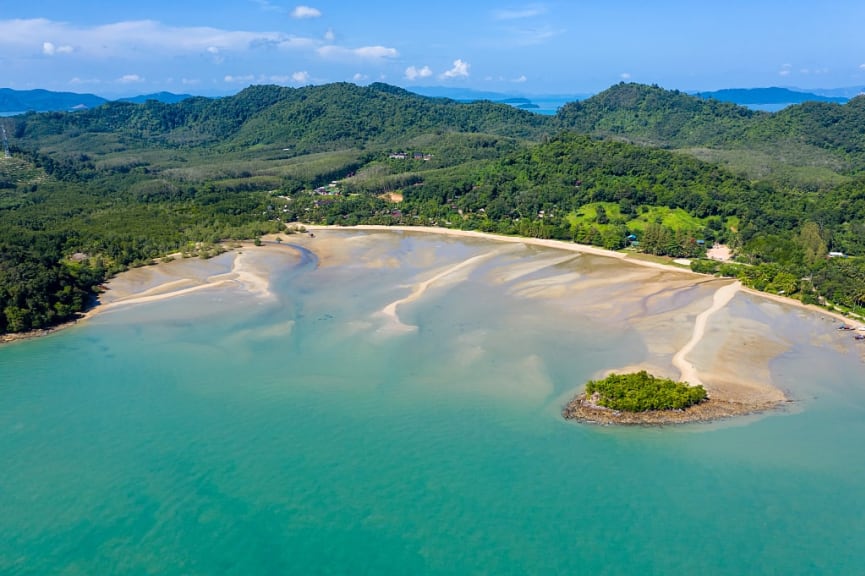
584	410
38	333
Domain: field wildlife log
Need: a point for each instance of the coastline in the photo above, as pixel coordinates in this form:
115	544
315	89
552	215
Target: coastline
672	309
711	410
733	391
125	289
588	249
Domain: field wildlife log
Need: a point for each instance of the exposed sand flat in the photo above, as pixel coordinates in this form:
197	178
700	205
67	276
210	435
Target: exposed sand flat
248	270
664	306
390	311
253	278
164	295
689	372
550	287
510	273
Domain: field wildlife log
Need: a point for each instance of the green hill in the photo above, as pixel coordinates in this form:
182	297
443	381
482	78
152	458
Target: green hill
811	144
635	166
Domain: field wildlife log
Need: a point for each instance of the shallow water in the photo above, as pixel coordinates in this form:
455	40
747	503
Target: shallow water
217	433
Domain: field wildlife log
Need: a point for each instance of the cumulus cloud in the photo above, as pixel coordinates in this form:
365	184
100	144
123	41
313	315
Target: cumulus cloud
358	77
364	52
130	79
329	36
301	77
50	49
301	12
460	70
413	73
625	75
376	52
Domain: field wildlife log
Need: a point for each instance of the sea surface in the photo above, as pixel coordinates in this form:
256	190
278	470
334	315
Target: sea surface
220	433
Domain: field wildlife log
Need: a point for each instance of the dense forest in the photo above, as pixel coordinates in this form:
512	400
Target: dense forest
86	194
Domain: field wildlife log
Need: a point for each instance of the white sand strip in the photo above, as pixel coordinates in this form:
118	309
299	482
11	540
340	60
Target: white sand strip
242	272
254	281
418	289
161	296
721	298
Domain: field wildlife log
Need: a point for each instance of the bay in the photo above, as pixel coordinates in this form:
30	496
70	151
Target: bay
222	433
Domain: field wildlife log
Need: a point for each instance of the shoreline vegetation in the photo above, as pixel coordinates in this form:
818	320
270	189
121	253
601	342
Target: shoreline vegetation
245	272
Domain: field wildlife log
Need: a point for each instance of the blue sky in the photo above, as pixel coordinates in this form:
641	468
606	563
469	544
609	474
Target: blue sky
553	47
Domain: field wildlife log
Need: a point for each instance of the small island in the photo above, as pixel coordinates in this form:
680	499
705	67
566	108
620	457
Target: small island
641	398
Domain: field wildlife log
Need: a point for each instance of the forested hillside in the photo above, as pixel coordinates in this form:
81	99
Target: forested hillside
813	144
89	193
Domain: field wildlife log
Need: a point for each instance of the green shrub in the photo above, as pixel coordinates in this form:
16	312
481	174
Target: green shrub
640	391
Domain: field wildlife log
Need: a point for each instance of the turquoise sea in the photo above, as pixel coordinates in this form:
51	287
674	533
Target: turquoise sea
220	433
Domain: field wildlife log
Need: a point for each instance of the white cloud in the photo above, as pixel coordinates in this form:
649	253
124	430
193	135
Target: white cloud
785	70
460	70
130	79
625	75
520	79
861	66
528	12
413	73
364	52
329	36
375	52
358	77
190	81
305	12
50	49
129	39
238	79
300	77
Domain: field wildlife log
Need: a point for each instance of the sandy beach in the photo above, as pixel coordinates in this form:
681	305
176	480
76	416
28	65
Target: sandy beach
650	297
245	268
683	317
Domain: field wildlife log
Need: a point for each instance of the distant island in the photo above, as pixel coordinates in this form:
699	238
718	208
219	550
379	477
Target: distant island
21	101
774	95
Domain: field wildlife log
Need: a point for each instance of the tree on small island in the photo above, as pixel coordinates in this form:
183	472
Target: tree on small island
640	391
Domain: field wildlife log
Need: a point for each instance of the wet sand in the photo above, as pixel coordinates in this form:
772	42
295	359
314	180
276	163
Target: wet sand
672	308
682	317
245	268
